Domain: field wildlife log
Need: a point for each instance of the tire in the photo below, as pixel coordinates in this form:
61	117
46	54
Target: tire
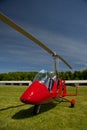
72	103
36	109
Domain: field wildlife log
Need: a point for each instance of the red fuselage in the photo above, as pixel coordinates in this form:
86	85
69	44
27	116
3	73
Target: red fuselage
38	93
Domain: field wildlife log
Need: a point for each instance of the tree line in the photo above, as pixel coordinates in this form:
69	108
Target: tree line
15	76
76	75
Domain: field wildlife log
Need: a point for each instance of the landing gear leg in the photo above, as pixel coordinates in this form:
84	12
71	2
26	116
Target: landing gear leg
36	109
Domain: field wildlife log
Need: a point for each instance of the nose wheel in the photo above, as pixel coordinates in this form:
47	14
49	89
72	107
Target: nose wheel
36	109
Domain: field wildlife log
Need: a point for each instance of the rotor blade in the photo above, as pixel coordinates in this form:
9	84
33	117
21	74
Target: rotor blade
59	57
6	20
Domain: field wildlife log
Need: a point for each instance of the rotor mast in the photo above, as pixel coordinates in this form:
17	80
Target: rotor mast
55	65
54	61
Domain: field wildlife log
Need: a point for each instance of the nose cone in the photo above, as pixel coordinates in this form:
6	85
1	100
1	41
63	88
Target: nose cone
36	93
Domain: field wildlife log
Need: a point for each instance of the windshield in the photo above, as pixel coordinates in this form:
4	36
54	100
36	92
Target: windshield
41	76
46	78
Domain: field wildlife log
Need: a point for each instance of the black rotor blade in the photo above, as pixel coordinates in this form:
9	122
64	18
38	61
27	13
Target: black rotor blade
6	20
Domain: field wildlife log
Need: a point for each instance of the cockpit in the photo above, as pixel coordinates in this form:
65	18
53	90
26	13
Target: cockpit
46	78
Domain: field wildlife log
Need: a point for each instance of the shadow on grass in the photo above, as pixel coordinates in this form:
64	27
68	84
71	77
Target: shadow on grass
6	108
29	112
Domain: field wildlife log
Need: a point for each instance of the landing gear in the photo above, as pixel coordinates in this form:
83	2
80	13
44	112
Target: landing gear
36	109
72	103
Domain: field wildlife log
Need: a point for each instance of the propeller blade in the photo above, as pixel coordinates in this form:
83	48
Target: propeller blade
8	21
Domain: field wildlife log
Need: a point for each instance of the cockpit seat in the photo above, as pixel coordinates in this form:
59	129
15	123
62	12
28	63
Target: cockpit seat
49	83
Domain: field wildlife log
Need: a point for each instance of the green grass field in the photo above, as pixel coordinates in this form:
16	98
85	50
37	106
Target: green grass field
53	116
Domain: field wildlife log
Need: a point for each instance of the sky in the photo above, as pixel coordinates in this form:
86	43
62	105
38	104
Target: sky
59	24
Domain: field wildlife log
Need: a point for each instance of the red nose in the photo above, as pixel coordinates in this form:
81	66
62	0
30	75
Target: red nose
36	93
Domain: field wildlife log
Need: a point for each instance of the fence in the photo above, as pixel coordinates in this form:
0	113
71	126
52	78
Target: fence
27	83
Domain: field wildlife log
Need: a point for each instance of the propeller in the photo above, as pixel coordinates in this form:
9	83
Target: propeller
8	21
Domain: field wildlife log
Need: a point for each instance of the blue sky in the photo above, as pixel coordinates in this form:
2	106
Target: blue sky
59	24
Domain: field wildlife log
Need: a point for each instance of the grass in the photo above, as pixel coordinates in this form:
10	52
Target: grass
53	116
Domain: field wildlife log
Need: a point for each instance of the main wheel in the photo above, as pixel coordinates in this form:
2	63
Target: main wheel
72	103
36	109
